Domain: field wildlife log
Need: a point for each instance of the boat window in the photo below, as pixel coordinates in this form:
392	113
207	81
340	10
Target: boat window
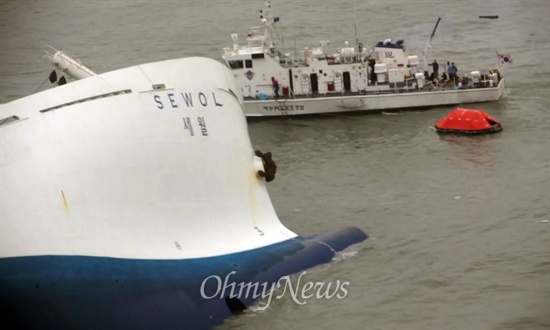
236	64
248	64
7	120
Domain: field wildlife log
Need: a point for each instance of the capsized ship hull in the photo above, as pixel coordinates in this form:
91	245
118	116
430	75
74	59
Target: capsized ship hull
72	292
122	192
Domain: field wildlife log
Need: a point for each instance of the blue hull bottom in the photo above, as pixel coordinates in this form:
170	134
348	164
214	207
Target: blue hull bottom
77	292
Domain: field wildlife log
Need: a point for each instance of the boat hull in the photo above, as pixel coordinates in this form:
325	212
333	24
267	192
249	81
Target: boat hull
74	292
123	192
371	102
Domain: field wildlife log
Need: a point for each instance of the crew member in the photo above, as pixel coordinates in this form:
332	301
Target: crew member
275	84
435	66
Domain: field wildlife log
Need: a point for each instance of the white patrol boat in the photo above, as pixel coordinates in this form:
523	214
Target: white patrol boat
351	79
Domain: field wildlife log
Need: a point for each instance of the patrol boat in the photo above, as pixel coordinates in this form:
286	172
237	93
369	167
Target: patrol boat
351	79
129	196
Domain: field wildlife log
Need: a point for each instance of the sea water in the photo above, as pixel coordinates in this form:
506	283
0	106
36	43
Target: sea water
459	237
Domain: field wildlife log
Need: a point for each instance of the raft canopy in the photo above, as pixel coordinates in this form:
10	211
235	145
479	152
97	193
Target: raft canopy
470	121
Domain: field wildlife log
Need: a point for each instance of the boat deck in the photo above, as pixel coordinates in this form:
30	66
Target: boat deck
384	90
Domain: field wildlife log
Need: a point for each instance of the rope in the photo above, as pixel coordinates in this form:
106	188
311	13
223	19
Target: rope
42	84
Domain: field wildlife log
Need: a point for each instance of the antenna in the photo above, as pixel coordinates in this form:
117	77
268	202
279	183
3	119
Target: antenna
356	38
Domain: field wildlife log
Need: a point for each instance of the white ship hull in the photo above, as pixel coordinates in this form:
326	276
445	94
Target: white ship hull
371	102
123	192
317	80
126	157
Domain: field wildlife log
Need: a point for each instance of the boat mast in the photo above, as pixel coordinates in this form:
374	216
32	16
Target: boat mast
356	38
429	45
271	37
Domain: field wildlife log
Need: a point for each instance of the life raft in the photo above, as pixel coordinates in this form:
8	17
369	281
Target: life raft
468	121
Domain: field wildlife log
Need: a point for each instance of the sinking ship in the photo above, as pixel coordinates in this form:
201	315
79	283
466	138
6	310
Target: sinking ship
122	192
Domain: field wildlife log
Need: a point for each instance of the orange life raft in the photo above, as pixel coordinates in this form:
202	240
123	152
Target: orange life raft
468	121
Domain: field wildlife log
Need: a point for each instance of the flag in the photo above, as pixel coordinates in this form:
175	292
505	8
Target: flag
504	59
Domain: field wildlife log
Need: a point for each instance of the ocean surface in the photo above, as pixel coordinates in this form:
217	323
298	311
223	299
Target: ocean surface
458	226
